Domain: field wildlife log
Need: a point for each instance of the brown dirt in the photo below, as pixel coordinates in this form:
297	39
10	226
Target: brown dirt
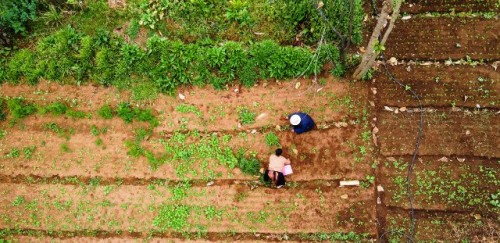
446	6
444	227
441	86
117	3
133	208
437	39
476	175
444	133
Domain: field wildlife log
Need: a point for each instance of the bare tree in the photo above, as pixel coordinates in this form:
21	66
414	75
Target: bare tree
388	7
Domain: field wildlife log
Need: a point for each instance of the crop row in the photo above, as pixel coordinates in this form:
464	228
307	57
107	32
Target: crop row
182	208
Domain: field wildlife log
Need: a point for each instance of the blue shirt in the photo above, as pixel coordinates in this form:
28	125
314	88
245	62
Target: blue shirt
306	123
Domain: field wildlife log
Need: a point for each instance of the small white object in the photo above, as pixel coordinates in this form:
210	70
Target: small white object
349	183
406	17
295	120
379	201
210	183
182	97
345	196
380	188
402	109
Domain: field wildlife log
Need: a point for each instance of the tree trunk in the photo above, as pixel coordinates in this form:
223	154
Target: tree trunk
370	55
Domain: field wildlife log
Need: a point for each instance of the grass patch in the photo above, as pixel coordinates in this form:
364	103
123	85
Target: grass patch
246	116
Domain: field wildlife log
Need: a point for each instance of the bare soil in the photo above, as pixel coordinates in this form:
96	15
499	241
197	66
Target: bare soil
447	6
441	86
437	38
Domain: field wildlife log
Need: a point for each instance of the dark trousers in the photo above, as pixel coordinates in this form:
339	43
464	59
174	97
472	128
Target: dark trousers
279	178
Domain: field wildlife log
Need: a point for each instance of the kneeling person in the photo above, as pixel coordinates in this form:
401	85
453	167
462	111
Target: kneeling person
301	122
274	173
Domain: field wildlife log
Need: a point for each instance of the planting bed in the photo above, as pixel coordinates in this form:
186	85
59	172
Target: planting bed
441	86
431	38
445	133
447	6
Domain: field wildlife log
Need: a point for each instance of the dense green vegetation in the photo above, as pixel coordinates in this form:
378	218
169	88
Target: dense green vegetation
182	42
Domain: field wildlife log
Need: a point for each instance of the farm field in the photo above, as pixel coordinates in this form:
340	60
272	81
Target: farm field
119	125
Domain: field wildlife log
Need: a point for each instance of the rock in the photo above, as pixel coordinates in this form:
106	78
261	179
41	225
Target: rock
345	196
495	65
236	90
458	45
465	98
374	91
461	159
387	108
379	201
406	17
408	68
278	128
426	63
239	125
375	130
402	109
380	188
372	103
448	63
393	61
261	116
210	183
253	131
182	96
362	49
349	183
262	170
396	111
343	124
477	216
467	132
352	122
443	159
297	85
375	140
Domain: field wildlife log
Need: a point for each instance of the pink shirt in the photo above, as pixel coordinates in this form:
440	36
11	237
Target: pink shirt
277	163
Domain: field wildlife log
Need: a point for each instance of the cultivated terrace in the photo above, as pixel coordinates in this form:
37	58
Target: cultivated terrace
151	120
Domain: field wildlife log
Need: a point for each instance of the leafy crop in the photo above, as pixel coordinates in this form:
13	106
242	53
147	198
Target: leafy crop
246	116
16	14
172	216
272	140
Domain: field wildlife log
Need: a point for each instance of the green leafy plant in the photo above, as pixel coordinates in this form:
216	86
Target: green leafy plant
272	140
105	112
495	199
172	216
16	14
19	108
246	116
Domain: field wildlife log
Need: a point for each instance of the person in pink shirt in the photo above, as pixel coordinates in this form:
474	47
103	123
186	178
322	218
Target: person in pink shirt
274	173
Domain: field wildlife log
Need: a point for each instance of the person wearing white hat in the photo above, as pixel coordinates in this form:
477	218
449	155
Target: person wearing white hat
301	122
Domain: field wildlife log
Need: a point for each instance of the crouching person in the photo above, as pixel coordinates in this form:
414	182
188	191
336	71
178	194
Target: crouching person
274	173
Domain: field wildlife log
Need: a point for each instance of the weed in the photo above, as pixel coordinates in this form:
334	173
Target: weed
18	201
212	213
28	151
185	108
125	112
65	148
14	153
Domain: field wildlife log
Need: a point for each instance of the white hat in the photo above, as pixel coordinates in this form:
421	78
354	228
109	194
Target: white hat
295	120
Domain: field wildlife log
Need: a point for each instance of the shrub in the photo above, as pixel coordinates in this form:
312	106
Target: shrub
105	112
23	63
16	14
19	108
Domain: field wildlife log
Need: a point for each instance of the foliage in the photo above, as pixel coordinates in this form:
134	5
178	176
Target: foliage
22	64
246	116
248	165
56	108
495	199
16	14
19	108
125	112
272	140
172	216
3	113
105	112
